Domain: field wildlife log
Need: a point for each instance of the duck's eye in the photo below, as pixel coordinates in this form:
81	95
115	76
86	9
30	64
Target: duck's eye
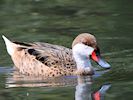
86	43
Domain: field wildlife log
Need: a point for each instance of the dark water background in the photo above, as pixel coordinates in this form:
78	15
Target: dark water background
58	22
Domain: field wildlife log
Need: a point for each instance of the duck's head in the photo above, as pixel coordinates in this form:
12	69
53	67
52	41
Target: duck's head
85	47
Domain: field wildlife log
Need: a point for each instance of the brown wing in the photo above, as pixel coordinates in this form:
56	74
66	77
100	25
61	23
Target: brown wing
43	59
51	55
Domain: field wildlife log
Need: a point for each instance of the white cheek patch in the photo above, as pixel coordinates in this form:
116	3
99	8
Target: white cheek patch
83	49
89	50
81	54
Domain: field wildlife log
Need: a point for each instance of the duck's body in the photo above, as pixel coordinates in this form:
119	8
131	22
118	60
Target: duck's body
43	59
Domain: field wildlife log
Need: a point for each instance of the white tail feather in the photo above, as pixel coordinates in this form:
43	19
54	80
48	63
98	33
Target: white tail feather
9	45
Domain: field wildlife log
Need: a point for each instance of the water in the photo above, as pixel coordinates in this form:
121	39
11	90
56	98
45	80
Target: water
58	22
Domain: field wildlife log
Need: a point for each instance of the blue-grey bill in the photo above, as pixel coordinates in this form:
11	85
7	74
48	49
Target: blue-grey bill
104	64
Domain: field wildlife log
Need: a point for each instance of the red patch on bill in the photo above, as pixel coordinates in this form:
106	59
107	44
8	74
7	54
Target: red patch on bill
94	56
97	96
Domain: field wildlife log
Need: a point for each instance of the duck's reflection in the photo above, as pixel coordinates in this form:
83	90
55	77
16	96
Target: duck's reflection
84	92
83	88
83	85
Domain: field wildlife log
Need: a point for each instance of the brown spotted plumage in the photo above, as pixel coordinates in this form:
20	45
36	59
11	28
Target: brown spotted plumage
43	59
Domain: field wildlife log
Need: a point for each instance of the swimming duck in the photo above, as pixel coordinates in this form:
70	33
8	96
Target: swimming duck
48	60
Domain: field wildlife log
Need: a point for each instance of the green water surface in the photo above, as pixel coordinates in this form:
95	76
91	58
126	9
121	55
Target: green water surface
59	22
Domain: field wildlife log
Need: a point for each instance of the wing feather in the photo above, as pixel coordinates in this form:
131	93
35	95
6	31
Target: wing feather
50	54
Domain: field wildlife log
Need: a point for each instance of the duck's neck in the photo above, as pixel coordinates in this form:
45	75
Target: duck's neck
82	62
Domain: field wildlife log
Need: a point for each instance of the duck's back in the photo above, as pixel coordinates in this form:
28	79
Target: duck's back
44	59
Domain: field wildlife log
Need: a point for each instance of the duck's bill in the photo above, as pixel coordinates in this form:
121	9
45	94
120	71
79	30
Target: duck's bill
97	58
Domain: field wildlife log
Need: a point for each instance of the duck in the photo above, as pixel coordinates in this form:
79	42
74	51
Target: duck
50	60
